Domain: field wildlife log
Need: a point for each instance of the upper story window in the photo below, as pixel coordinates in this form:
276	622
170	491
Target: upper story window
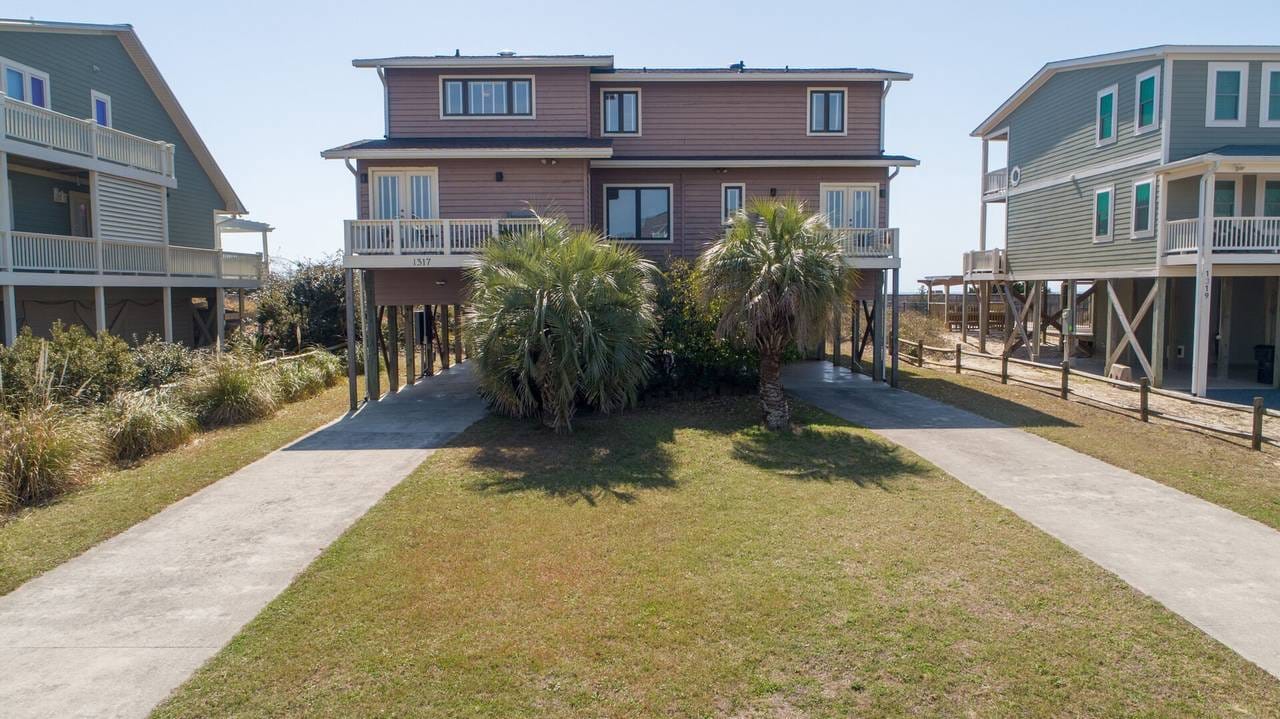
488	97
101	108
1143	209
1270	198
1103	205
1224	198
733	197
1270	112
25	83
620	112
1226	95
638	213
1104	132
1146	104
826	111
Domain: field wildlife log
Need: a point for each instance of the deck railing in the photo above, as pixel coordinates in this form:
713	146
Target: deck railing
46	128
1230	235
874	242
429	237
1181	236
41	252
984	263
996	182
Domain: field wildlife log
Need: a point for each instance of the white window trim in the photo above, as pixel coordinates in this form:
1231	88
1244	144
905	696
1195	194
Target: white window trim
404	172
1133	209
1260	193
808	111
533	97
1114	92
724	186
1211	92
639	112
28	72
1267	69
1137	102
824	187
1111	219
94	96
671	211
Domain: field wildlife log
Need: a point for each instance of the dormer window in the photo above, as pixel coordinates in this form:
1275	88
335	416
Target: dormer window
487	97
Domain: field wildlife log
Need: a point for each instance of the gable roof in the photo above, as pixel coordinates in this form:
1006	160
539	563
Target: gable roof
1155	52
486	61
147	67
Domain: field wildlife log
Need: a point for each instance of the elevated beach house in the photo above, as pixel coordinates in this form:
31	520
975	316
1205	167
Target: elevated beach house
1149	179
112	209
472	146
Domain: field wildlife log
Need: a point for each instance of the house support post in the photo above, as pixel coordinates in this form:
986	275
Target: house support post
1112	329
166	311
348	276
1225	286
220	317
893	335
1068	320
410	347
984	311
1275	339
99	309
855	335
444	337
877	330
371	380
1159	324
1035	296
1204	291
457	333
835	333
10	316
964	311
393	349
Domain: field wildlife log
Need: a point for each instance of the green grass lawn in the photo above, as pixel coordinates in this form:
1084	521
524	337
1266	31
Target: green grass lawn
37	539
679	561
1225	473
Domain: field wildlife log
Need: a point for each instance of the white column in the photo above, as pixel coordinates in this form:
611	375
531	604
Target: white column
166	299
6	246
10	316
1159	319
220	316
982	189
100	308
1204	291
266	256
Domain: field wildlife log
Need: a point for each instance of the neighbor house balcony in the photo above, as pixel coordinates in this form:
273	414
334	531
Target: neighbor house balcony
995	185
34	131
1230	240
870	248
982	265
72	258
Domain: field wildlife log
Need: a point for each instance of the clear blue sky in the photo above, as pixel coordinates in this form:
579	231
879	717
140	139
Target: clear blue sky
270	84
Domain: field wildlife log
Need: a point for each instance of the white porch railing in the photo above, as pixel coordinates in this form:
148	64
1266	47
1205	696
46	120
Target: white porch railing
1230	235
996	182
1181	236
984	263
39	252
878	242
428	237
39	126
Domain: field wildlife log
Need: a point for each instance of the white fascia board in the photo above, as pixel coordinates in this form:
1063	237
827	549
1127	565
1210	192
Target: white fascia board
485	62
462	153
761	162
796	75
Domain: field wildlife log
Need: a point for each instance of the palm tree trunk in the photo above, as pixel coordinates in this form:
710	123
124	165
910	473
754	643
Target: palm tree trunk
777	412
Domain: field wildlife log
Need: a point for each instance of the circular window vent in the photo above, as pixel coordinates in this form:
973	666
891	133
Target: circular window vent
1015	176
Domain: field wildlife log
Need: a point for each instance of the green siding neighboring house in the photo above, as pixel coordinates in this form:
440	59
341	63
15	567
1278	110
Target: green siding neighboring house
1189	136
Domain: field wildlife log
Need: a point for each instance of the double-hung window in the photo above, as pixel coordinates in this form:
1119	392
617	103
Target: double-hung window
1270	198
101	108
1269	114
826	111
1224	198
487	97
620	112
1227	94
1142	209
733	197
638	213
1103	211
1104	132
25	83
1146	104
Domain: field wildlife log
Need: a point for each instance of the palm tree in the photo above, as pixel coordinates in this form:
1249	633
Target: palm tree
561	316
776	274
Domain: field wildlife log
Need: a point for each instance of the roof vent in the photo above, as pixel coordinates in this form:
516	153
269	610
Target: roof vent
506	53
739	66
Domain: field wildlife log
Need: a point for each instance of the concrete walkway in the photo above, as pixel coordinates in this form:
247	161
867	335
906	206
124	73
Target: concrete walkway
1217	569
114	631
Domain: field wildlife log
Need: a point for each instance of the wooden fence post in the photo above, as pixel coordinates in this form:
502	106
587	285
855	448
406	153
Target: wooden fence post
920	353
1066	372
1144	393
1257	423
958	346
1004	369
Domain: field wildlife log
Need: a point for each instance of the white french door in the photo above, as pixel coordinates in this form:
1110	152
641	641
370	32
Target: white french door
850	206
403	194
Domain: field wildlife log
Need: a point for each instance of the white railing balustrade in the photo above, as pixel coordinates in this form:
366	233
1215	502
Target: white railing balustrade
878	242
53	253
143	258
984	263
996	182
1181	236
41	252
429	237
1246	234
193	262
40	126
242	265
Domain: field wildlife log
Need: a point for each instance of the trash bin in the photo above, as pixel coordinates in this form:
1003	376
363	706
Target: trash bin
1266	358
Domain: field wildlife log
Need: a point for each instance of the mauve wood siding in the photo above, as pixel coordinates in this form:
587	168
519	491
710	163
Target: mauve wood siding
559	104
419	286
696	197
741	118
468	188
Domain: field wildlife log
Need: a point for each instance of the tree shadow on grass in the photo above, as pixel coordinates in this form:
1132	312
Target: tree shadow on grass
984	404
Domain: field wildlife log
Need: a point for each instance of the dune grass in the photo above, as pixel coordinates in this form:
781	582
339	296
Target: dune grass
679	561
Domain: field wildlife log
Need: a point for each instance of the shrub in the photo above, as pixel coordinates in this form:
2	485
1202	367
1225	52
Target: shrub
332	369
304	305
297	379
139	424
915	325
45	449
161	362
228	390
688	354
70	364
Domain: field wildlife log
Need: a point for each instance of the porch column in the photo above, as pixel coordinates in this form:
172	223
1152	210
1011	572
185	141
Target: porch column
166	301
877	331
220	316
371	380
6	246
10	316
1204	291
410	347
393	349
1159	320
893	335
348	276
1225	286
982	189
99	309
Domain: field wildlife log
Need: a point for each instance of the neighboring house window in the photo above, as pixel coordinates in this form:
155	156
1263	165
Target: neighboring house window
488	97
826	112
1146	111
1103	207
1228	89
1105	118
1224	198
101	108
1143	210
25	83
620	112
1270	112
638	213
1271	198
732	199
